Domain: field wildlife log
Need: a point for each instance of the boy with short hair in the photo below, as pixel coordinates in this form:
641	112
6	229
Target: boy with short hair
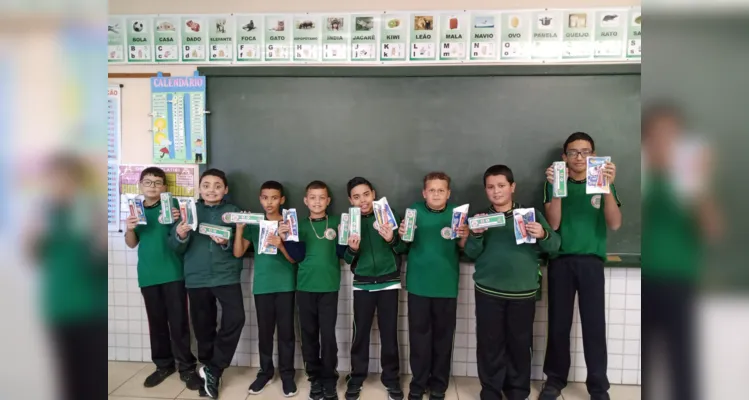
318	282
374	262
212	273
506	282
162	285
582	221
273	286
432	282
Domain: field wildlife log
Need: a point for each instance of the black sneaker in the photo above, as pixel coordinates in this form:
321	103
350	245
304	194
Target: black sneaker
158	376
549	392
436	396
211	382
191	378
259	385
415	396
329	393
600	396
289	387
353	392
315	390
395	393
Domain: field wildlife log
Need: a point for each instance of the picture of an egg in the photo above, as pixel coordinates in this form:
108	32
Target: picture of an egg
514	21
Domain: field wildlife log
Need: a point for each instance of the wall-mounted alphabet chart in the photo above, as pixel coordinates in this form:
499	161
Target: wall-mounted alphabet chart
178	115
384	37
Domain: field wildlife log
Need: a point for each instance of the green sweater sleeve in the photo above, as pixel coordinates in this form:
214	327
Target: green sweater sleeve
474	246
551	242
350	255
178	245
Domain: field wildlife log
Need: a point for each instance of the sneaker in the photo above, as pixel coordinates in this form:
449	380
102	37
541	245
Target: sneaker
211	382
549	392
191	378
158	376
353	392
259	385
289	387
315	390
329	393
415	396
436	396
395	393
600	396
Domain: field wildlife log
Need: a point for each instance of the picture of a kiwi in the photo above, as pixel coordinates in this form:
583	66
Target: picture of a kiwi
394	23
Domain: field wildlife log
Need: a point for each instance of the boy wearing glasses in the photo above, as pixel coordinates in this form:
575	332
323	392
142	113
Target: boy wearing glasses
432	276
162	283
582	220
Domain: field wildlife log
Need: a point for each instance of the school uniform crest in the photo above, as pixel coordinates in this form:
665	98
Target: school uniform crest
330	234
446	233
595	201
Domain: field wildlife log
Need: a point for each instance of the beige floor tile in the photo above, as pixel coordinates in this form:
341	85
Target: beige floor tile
120	372
169	389
626	392
578	391
467	388
234	384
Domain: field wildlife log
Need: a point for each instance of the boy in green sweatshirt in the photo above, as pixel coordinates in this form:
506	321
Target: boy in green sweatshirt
506	280
273	285
432	276
318	282
162	285
374	262
212	273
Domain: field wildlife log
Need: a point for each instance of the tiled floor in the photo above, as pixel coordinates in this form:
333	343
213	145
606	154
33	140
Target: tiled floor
125	382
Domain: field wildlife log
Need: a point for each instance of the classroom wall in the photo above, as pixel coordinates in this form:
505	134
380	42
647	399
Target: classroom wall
128	326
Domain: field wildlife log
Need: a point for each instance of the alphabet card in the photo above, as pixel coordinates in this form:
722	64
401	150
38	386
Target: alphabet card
578	34
306	38
277	29
547	35
194	38
364	33
483	37
516	36
453	36
609	30
220	38
394	39
249	37
166	35
424	36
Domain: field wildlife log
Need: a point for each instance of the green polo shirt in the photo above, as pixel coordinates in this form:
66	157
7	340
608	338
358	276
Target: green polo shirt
272	273
157	261
583	226
433	266
320	271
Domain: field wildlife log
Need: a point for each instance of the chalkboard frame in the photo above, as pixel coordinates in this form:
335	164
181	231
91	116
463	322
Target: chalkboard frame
422	71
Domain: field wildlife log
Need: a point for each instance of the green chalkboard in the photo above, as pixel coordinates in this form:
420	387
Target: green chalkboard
392	125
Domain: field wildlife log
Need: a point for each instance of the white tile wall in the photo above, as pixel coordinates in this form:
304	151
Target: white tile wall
129	339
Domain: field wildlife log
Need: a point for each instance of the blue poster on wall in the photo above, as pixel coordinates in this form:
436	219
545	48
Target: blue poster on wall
178	115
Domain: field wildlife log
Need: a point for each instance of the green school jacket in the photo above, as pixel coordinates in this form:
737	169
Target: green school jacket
208	264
